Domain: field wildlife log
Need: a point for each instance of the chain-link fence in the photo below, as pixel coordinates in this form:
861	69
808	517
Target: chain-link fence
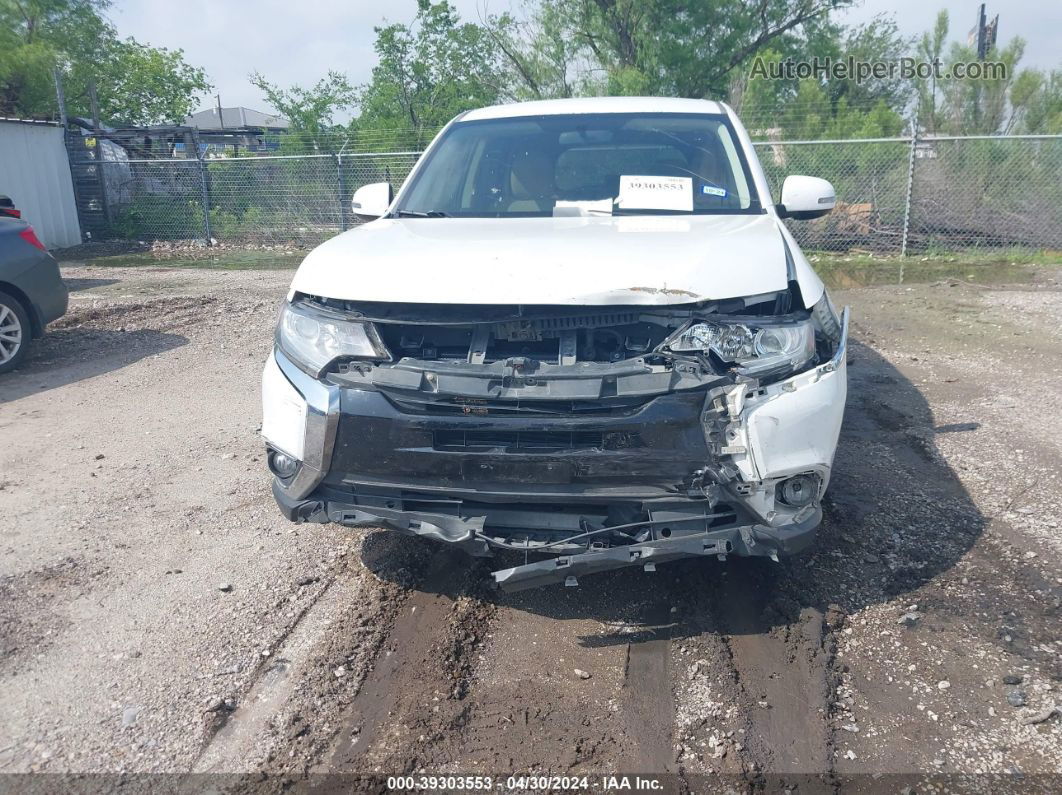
294	199
901	195
871	180
895	195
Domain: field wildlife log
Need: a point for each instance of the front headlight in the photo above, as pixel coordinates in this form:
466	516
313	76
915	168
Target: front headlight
756	349
314	339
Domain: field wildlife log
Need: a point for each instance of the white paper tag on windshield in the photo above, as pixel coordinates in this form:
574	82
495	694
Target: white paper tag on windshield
655	193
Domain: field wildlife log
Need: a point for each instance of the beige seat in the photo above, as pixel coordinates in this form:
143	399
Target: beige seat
531	182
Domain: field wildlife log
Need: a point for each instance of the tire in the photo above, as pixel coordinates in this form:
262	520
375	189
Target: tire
15	332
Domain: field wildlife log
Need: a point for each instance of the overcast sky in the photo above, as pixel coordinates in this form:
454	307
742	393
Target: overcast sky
298	42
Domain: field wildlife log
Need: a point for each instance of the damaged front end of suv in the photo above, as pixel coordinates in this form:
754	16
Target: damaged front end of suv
472	367
602	436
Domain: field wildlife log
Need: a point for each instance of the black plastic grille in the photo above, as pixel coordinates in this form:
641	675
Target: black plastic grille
417	404
519	441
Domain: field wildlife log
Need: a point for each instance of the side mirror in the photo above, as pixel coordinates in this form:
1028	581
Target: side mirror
805	198
371	201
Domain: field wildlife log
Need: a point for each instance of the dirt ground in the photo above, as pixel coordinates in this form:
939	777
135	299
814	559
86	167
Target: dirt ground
157	615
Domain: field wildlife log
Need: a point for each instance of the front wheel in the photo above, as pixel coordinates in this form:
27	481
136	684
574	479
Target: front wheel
14	332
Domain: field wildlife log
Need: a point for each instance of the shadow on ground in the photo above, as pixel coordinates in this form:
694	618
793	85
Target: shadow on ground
65	356
896	517
77	285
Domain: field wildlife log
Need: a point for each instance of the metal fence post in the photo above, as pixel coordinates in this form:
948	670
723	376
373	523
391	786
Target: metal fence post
910	190
203	181
342	183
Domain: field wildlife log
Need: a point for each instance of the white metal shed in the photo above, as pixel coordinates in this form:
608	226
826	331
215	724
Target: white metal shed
35	173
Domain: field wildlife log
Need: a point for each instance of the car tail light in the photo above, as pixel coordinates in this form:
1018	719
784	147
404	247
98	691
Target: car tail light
11	212
30	237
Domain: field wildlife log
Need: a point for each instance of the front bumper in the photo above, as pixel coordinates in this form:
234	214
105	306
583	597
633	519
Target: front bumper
688	473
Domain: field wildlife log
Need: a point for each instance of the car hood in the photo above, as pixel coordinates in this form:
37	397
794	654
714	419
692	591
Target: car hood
576	260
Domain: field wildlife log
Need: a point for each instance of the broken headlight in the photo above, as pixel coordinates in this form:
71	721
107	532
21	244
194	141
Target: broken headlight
757	349
314	339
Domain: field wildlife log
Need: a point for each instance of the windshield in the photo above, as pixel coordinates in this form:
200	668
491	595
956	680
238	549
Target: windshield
583	164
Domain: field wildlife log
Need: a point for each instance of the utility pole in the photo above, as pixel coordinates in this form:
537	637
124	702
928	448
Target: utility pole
982	37
60	97
221	116
94	107
983	34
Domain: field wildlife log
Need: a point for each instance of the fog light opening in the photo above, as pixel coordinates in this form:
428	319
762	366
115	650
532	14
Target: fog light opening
798	491
282	465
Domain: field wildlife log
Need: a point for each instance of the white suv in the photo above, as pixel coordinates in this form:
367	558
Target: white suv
580	331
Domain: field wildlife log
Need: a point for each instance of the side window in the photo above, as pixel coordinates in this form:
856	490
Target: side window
472	175
734	171
438	188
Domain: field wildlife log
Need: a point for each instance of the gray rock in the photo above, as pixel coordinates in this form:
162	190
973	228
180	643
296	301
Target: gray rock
909	619
1012	679
129	716
1042	715
1016	698
582	674
225	587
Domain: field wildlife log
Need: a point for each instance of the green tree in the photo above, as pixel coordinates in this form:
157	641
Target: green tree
428	72
980	106
931	50
135	83
139	85
1016	100
539	59
874	41
703	45
665	47
821	106
311	111
1038	99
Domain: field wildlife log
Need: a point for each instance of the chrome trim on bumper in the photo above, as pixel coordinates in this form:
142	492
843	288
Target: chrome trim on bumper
322	419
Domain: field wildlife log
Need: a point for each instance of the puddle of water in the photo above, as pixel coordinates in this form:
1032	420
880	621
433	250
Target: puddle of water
841	275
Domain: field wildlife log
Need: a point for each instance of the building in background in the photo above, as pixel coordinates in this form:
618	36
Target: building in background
228	130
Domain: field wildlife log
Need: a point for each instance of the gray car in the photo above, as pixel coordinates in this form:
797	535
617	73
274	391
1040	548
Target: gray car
32	294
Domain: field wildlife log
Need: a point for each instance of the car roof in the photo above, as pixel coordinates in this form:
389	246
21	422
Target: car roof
552	107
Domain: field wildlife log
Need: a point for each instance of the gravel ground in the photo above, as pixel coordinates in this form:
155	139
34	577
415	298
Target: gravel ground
157	615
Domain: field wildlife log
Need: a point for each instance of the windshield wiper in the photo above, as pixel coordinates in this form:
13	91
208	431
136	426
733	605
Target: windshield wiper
419	214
